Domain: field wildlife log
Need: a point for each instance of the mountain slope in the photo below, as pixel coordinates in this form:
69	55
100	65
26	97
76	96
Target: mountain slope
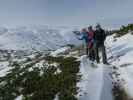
39	38
122	58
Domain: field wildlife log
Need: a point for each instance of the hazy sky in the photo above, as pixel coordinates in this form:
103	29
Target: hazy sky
65	12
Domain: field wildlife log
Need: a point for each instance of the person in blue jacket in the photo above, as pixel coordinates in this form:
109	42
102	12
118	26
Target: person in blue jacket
84	37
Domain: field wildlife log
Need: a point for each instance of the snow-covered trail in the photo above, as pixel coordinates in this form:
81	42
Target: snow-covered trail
95	83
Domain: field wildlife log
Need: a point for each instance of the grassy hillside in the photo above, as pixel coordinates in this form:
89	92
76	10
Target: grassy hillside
54	75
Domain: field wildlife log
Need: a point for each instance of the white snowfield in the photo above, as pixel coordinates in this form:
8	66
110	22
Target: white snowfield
60	51
4	68
96	83
122	51
36	38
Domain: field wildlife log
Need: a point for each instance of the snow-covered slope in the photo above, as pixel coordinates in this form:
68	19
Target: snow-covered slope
122	51
40	38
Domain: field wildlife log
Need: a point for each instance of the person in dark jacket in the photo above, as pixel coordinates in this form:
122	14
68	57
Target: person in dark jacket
99	38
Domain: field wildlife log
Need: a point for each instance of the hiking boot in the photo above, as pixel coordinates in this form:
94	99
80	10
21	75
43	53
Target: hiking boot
106	63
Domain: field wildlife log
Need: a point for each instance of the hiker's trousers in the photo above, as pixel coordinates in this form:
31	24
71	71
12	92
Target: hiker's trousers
100	48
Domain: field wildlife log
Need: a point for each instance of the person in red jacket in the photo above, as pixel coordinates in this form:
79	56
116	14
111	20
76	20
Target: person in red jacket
91	43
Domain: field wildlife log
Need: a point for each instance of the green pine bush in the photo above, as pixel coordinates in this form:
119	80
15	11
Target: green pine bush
35	86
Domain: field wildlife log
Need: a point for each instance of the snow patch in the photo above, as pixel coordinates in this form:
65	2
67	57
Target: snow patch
95	83
19	97
60	51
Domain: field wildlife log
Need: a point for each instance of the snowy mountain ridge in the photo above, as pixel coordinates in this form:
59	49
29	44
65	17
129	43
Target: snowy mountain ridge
36	38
